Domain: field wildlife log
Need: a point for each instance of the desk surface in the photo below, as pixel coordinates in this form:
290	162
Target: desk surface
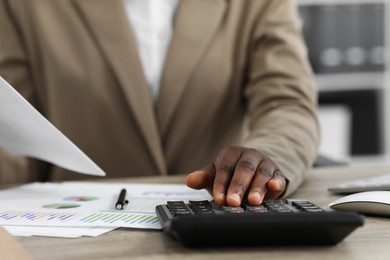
369	242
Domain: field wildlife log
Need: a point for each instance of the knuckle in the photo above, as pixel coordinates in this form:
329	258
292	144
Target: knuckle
280	175
221	186
228	168
267	172
247	165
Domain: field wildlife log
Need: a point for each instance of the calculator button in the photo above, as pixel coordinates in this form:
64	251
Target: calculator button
235	210
201	207
256	209
176	204
306	206
281	209
277	206
274	202
202	204
314	210
178	208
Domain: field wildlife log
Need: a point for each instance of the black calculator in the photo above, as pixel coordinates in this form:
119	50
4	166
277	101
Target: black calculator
275	222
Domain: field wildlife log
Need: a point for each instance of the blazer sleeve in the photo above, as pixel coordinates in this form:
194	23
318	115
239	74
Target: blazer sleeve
280	93
14	67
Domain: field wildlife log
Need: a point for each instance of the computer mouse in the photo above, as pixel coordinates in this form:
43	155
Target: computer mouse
369	202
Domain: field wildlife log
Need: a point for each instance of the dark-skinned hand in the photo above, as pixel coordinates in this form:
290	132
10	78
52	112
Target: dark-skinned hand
239	173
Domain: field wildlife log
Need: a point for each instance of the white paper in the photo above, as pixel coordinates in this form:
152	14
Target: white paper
92	204
25	132
67	232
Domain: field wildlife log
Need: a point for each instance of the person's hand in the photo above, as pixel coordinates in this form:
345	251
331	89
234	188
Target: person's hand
239	172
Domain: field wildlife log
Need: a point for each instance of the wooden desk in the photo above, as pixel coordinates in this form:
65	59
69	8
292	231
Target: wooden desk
372	241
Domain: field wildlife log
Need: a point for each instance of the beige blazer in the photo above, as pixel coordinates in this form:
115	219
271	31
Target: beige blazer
229	63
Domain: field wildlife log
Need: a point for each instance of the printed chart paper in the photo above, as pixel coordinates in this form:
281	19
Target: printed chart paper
72	209
79	219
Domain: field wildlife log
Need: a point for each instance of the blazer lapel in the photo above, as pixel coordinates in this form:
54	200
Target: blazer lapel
196	22
108	23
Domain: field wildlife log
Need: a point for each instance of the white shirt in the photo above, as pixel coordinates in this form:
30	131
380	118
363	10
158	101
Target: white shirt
152	23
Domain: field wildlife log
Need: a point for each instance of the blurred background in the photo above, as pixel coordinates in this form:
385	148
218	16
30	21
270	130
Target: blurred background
348	43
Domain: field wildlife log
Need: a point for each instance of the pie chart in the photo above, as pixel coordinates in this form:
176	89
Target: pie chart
81	198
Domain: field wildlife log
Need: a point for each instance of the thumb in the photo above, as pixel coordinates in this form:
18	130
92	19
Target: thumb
197	180
201	179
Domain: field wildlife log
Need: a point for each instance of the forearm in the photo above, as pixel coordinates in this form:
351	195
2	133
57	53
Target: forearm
282	98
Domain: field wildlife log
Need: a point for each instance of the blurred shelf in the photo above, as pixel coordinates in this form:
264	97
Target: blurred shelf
333	2
351	81
368	160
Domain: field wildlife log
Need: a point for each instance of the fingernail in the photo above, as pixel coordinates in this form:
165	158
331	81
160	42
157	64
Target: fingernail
255	195
235	197
277	184
221	197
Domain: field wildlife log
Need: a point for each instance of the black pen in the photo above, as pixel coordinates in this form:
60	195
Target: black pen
122	202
